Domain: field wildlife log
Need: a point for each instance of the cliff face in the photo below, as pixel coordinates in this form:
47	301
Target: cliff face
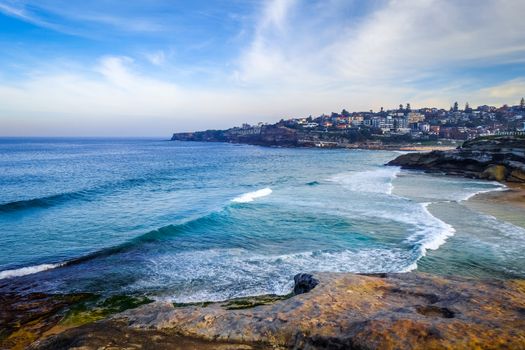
500	158
275	135
264	136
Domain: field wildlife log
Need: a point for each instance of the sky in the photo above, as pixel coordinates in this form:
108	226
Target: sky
154	67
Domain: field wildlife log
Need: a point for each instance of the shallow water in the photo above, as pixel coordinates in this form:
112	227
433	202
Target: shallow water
211	221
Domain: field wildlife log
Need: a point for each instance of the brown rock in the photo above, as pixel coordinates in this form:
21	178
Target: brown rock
517	175
348	311
343	311
495	173
500	158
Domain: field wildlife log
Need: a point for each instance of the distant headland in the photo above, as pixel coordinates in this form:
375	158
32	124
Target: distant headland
401	128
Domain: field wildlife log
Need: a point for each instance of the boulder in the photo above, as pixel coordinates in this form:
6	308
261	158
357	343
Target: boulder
304	283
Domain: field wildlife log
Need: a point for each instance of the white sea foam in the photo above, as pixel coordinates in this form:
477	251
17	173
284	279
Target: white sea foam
370	181
27	270
505	228
239	272
251	196
431	237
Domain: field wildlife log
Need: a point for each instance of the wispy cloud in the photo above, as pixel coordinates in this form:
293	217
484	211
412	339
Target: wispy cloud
157	58
20	12
294	57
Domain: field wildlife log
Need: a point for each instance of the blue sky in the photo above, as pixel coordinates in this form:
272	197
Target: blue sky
148	68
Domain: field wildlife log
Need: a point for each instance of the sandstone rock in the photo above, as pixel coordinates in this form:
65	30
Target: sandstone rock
494	172
495	158
343	311
517	175
347	311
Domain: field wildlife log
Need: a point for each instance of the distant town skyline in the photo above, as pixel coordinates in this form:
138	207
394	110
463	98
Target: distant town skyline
150	68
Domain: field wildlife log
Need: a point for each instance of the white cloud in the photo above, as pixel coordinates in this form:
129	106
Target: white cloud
305	57
400	41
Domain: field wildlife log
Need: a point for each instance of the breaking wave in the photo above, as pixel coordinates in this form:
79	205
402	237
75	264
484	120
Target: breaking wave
251	196
370	181
29	270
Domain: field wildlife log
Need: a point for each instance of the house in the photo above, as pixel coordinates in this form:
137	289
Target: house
415	117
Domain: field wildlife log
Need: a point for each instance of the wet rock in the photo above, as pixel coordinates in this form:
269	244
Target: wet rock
25	318
304	283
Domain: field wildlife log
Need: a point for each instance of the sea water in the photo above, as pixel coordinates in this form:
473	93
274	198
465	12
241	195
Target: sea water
192	222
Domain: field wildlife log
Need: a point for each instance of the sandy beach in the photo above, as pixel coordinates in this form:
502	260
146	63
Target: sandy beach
420	148
507	205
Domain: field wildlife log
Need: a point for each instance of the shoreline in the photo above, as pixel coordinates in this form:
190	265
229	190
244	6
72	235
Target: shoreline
514	194
507	205
350	146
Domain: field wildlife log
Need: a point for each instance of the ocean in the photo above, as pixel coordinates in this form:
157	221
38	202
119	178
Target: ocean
188	221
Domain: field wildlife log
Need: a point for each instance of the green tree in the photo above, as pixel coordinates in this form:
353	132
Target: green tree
456	106
522	103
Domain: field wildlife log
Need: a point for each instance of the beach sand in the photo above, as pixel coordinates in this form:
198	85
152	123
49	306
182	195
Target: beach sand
427	148
508	205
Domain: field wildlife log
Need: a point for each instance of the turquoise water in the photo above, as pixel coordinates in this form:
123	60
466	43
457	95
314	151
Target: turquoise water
211	221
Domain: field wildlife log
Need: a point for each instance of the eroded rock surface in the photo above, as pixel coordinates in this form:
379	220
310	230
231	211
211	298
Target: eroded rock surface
500	158
347	311
343	311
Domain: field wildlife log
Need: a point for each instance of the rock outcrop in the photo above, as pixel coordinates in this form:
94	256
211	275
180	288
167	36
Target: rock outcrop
499	158
263	136
278	135
343	311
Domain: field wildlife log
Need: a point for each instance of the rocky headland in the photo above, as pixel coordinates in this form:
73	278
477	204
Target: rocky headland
499	158
282	136
325	311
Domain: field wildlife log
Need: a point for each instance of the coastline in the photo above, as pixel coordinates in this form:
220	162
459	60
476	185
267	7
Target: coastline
411	308
372	146
415	303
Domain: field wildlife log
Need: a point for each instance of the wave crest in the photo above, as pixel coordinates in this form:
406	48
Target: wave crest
251	196
27	270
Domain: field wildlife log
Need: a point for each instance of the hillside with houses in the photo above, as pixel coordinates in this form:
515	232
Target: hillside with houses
380	129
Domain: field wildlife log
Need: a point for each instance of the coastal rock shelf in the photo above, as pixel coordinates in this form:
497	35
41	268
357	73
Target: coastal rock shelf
500	158
343	311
